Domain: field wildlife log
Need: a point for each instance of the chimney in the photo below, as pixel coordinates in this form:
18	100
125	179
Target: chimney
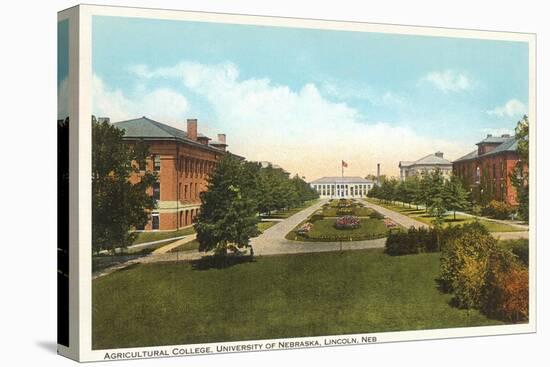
221	138
192	129
505	136
439	154
489	135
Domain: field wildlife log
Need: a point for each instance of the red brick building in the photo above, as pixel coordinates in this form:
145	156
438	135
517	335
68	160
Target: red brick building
486	170
183	160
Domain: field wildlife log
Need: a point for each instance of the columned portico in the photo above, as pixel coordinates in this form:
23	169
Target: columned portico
342	187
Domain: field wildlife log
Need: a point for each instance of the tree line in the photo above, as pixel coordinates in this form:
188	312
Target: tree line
239	191
429	190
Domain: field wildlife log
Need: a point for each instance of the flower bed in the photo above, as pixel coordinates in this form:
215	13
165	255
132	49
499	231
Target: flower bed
304	229
347	222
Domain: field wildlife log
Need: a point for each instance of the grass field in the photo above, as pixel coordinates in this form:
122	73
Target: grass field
324	230
272	297
422	216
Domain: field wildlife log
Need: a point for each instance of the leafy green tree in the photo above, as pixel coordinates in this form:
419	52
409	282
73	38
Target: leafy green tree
228	216
117	203
422	195
519	176
413	190
455	197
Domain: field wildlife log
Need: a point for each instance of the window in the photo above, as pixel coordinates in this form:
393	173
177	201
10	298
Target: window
155	221
179	191
185	192
156	191
156	160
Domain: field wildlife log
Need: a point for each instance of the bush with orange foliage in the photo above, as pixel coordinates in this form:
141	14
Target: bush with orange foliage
506	293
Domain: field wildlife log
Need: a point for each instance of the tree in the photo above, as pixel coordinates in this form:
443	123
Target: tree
519	176
117	203
455	197
228	216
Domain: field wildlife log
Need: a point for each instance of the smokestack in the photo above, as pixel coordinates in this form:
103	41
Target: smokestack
378	174
192	129
221	138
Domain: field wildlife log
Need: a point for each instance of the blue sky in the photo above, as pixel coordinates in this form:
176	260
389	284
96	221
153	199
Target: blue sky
62	68
275	86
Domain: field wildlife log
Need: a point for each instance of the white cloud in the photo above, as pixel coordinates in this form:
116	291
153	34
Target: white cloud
300	129
162	104
448	80
349	91
512	108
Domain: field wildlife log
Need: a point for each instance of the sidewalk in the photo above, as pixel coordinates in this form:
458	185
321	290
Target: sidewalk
512	223
401	219
173	245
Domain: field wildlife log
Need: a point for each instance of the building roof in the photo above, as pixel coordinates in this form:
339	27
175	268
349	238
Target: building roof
340	180
508	145
429	160
148	129
490	139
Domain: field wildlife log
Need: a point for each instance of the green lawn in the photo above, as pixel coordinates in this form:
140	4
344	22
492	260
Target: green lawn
324	230
272	297
282	214
422	216
143	237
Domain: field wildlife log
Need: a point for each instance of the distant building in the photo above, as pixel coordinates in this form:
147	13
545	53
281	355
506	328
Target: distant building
183	160
427	164
266	164
342	187
486	170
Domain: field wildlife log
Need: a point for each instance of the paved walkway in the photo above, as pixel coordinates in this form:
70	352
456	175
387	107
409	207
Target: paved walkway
513	223
510	235
398	218
271	242
407	221
173	245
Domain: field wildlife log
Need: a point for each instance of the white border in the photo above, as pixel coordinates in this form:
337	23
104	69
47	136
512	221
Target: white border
84	161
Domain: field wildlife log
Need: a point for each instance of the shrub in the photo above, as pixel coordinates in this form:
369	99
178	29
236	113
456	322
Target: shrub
497	209
520	248
506	291
483	275
413	241
476	209
464	262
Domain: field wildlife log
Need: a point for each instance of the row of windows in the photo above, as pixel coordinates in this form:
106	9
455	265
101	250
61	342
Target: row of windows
185	192
185	218
491	171
189	192
342	189
195	167
191	167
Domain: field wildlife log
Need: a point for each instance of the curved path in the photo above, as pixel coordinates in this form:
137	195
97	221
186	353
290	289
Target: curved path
273	241
401	219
